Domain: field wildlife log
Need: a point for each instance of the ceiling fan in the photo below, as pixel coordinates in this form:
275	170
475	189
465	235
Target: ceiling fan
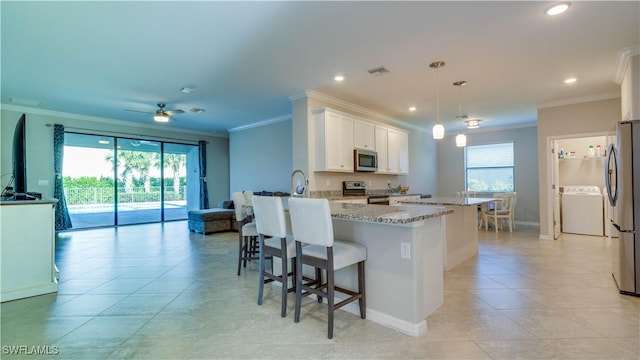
161	115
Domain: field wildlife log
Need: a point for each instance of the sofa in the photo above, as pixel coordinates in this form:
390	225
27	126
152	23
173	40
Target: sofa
214	220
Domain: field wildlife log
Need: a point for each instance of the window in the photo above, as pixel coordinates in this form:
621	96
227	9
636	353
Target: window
489	168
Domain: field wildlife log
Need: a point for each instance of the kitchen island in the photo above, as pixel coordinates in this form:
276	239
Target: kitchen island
461	231
404	267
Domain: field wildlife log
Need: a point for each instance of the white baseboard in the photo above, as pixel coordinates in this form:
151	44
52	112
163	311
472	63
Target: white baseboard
377	317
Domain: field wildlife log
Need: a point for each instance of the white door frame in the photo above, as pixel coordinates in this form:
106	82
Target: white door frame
552	164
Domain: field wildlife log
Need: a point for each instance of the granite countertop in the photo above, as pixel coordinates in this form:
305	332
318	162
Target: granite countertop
386	214
397	214
460	201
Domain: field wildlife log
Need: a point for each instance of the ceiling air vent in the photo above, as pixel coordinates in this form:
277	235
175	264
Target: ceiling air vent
380	70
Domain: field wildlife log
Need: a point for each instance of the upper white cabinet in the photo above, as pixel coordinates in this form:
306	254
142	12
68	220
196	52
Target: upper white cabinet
381	149
337	134
392	146
403	152
333	141
364	134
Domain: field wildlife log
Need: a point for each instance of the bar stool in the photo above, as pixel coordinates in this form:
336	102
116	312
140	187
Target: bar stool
247	232
271	222
311	225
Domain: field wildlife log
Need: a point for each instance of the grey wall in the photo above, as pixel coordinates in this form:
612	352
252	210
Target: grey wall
40	147
260	158
451	175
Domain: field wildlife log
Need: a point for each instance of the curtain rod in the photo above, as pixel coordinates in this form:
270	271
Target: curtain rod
110	133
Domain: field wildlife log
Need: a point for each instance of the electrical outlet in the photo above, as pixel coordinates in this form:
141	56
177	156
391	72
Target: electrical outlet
405	250
327	182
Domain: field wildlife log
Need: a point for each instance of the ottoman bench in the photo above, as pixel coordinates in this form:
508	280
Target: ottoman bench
212	220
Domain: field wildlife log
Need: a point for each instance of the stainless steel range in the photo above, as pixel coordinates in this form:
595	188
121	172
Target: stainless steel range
354	188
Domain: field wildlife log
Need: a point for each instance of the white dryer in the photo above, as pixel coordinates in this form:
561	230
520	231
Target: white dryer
582	210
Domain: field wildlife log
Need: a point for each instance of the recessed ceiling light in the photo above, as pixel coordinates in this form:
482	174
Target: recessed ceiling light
338	78
557	9
569	80
187	89
197	110
412	108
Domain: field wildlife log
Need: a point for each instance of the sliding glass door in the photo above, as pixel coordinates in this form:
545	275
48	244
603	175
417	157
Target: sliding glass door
138	162
88	179
119	181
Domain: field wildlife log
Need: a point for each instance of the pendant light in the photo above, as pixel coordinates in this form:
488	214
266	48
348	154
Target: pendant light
461	139
438	129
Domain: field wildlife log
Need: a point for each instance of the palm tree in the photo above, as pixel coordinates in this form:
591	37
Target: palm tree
130	162
175	162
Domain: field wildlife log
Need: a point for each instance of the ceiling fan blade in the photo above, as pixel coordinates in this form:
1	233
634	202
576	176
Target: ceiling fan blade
173	112
138	111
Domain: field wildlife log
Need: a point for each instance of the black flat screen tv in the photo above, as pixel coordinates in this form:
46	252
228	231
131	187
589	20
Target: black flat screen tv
20	159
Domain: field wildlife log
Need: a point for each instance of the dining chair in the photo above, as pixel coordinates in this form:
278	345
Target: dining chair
312	225
504	209
271	223
247	232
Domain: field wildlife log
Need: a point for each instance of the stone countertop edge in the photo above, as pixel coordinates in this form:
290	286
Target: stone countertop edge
354	197
450	201
397	214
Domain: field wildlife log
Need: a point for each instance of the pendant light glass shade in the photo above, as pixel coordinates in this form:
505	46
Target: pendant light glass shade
461	139
438	129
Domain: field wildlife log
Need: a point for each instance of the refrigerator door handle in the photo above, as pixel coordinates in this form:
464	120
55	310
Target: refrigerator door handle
611	170
622	230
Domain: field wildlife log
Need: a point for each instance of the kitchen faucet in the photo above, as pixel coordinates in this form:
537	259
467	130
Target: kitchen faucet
300	190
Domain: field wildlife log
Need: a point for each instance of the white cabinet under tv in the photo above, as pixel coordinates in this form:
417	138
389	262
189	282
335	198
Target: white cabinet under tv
27	248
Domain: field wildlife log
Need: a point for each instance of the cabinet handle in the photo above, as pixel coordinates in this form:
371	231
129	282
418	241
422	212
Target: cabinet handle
341	165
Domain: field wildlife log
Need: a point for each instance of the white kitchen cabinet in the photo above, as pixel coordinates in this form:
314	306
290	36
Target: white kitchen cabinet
392	146
403	152
381	149
364	134
393	158
333	141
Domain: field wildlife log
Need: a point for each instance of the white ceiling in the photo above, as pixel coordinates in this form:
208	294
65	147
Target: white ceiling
245	59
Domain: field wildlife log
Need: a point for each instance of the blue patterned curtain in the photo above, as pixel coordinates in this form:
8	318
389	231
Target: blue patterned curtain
204	194
63	221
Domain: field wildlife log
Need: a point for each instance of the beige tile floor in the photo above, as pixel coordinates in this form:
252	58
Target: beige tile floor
159	292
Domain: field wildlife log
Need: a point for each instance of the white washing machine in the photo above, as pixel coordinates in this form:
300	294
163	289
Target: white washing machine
582	210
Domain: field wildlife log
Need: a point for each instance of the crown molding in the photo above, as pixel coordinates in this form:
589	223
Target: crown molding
65	115
357	108
577	100
623	62
261	123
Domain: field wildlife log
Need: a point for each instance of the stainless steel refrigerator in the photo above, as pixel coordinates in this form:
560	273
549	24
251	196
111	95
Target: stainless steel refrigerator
622	178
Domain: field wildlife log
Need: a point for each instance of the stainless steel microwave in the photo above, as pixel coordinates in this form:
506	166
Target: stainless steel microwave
365	160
